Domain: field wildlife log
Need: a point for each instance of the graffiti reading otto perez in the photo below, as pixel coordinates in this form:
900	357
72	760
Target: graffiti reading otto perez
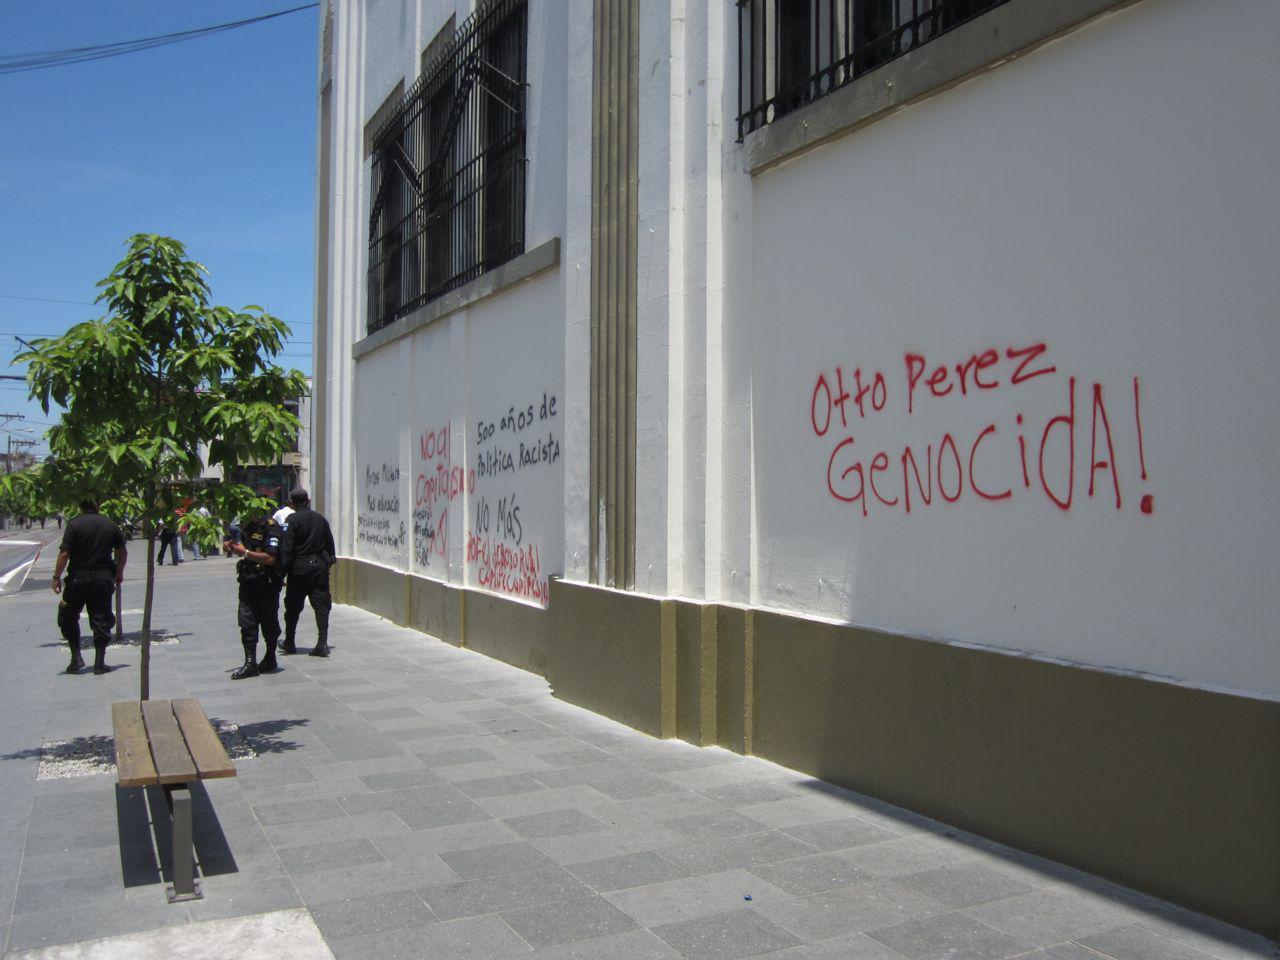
1094	432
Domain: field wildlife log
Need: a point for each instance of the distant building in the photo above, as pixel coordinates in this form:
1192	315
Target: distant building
11	462
293	469
878	388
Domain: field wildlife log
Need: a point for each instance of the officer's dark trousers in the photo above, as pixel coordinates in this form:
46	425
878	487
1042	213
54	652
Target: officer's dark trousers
308	584
94	592
259	607
170	544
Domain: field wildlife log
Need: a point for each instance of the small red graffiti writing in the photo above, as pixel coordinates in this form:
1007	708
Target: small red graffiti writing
1069	421
438	481
434	443
1137	415
1094	463
444	483
977	370
514	571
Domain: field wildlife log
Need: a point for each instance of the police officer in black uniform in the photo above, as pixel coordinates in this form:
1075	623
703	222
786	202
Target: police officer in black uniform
308	554
94	546
261	577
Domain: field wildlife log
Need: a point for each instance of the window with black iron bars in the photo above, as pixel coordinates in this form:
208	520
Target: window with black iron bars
793	52
449	168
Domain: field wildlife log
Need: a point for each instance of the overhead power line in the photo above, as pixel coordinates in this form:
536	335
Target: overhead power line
25	62
78	303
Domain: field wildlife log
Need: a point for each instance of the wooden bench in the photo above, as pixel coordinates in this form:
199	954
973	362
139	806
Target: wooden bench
170	743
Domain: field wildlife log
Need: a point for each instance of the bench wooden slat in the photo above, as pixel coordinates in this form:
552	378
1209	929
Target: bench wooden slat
133	756
202	741
168	748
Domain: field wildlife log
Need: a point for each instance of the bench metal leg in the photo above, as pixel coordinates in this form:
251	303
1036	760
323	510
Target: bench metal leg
185	886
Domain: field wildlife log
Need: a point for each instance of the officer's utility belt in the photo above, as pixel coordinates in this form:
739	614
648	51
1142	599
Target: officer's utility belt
250	571
92	574
309	562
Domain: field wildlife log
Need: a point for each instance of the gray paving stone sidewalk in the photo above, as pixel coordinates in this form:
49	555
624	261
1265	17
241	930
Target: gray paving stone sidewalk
424	801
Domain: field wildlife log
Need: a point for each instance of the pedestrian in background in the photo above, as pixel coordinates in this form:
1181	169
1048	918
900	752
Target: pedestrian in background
282	515
202	552
259	574
168	541
180	539
94	548
308	554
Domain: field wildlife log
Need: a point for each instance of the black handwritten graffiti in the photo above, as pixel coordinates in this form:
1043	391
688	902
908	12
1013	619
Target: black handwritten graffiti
494	462
379	523
429	535
542	451
517	419
379	531
509	519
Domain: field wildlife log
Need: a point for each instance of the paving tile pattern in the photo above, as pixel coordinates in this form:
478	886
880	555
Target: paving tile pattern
421	800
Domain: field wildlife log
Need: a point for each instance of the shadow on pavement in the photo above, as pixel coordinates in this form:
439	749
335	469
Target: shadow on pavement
35	586
262	737
131	638
146	851
79	756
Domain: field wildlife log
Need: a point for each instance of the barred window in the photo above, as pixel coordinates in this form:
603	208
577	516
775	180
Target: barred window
449	168
792	52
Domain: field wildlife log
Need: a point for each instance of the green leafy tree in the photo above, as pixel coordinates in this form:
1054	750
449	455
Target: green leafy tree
19	495
162	378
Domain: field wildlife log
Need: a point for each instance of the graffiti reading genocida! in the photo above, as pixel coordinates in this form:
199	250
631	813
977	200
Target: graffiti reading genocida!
993	460
522	439
379	523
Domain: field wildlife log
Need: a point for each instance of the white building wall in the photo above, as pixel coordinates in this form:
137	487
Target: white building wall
348	213
1097	196
1091	228
576	261
515	441
384	519
456	462
306	426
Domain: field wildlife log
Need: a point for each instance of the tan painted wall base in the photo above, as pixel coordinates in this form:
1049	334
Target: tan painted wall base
1166	789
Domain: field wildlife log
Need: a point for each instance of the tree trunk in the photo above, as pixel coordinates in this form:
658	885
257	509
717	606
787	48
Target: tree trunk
150	532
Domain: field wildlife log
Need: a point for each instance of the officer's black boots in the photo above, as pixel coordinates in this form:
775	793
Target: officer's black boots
268	663
77	661
321	649
250	666
288	647
100	658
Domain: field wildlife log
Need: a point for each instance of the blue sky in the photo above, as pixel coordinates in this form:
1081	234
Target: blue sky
211	141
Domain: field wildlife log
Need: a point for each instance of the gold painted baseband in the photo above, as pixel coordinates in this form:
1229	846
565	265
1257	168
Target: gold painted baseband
1170	790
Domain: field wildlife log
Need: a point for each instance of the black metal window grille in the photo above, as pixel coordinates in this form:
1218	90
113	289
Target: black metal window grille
792	52
449	168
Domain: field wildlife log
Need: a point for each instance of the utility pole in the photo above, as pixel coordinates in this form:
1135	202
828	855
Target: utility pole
9	453
8	457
